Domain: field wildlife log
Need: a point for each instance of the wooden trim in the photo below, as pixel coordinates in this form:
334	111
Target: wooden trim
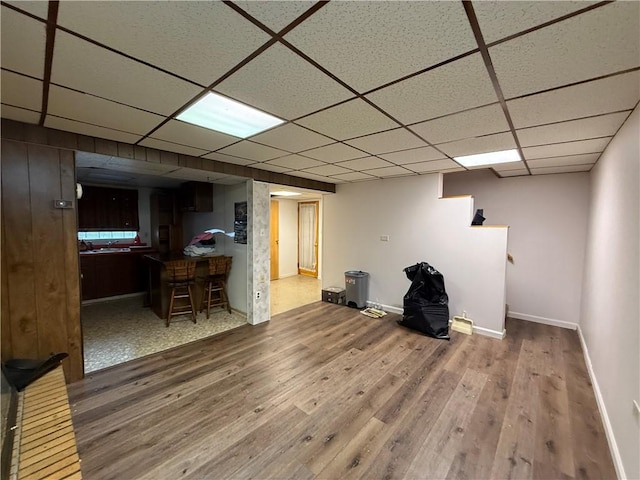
52	18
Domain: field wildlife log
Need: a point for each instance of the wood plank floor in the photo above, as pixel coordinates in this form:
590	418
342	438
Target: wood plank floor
325	392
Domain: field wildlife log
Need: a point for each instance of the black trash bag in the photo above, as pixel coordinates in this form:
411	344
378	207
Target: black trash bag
426	303
21	372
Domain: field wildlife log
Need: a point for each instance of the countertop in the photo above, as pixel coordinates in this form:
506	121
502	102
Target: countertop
117	250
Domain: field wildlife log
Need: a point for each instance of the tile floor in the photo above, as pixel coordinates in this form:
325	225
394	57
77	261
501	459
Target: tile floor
117	331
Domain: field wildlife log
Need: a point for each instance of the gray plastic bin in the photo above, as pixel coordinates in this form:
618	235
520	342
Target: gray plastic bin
357	288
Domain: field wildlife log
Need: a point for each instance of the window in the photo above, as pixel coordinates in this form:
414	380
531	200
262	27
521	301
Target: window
109	236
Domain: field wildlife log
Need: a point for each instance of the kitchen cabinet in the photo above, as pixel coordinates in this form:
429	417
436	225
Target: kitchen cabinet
103	208
112	273
166	222
196	197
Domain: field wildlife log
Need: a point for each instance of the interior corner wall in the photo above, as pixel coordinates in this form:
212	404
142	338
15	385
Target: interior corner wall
237	282
547	218
421	227
258	252
610	323
288	237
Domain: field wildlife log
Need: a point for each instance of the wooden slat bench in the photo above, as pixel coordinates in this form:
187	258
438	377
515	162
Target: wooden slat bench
45	444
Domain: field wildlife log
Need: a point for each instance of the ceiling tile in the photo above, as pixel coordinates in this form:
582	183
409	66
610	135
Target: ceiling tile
314	176
366	163
355	176
456	86
292	138
270	167
91	69
97	111
584	159
304	88
389	141
200	41
514	173
569	148
567	169
171	147
504	167
275	15
472	123
30	35
296	162
36	7
605	125
602	41
348	120
21	91
228	159
471	146
91	130
389	172
20	114
433	166
327	170
231	180
414	155
621	92
365	43
336	152
253	151
499	19
198	137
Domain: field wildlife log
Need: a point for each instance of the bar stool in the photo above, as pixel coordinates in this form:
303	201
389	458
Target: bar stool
215	289
181	276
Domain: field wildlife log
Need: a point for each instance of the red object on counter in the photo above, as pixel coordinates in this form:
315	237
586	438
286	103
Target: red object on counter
136	241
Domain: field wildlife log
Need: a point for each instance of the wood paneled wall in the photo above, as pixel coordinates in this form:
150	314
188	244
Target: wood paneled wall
40	274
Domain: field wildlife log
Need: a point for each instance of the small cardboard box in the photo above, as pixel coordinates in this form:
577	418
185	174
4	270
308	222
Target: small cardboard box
334	295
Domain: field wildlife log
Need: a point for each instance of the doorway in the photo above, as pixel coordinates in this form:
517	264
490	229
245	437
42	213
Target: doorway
308	239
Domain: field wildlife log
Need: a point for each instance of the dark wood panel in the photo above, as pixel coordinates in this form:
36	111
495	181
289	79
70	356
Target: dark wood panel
323	392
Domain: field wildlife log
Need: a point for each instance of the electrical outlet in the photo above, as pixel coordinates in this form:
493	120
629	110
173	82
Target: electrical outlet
384	238
258	294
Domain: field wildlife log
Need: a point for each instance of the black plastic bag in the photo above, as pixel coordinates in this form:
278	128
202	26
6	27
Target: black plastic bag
21	372
426	303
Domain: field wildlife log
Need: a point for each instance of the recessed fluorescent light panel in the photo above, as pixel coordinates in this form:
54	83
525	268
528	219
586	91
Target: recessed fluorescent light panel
491	158
283	193
222	114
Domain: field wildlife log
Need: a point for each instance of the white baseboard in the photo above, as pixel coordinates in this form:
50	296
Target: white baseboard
546	321
613	446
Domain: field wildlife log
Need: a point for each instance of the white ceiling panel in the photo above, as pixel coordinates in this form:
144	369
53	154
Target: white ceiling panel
584	159
91	130
602	41
292	138
21	91
472	123
302	90
569	148
192	174
348	120
231	180
433	166
19	114
620	92
296	162
336	152
389	141
355	177
366	163
198	40
39	8
504	167
499	19
514	173
471	146
414	155
97	111
567	169
88	68
456	86
605	125
314	176
171	147
193	136
365	43
30	35
275	14
253	151
228	159
270	167
326	170
389	172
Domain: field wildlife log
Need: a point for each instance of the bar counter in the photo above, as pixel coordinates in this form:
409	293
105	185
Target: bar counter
159	292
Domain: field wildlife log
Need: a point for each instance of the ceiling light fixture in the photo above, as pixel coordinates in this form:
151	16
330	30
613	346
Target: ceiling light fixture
283	193
490	158
222	114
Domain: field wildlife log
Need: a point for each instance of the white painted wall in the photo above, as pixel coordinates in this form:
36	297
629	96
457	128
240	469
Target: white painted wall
421	227
610	306
547	218
288	235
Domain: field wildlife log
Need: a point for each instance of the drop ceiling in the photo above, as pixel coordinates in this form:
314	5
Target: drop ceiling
367	90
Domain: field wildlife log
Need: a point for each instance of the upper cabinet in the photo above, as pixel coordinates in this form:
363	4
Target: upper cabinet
103	208
196	197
